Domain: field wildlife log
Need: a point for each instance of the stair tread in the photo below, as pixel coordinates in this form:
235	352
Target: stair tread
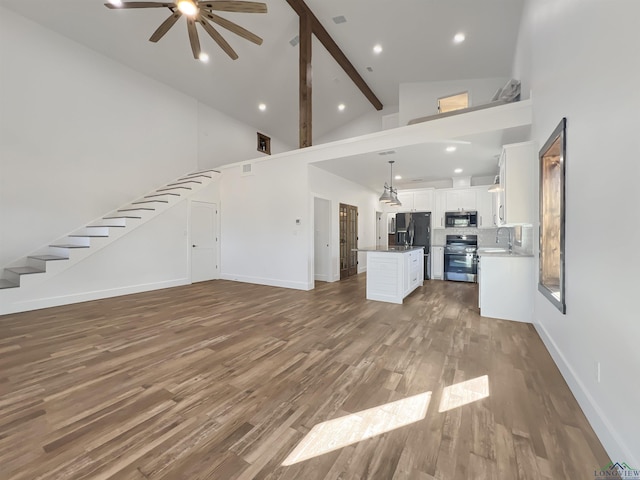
47	258
7	284
194	176
134	209
120	216
69	245
88	236
24	270
183	182
173	188
162	195
204	171
150	201
108	226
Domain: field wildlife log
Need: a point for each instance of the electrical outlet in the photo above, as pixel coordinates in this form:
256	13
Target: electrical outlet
598	371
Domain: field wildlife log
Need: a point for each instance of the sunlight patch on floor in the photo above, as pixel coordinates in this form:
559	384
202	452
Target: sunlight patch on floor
340	432
462	393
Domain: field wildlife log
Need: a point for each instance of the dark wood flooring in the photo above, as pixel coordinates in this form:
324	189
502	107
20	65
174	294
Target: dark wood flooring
221	380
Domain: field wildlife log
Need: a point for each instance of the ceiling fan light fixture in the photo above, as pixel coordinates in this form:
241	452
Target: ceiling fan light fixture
203	57
116	3
188	7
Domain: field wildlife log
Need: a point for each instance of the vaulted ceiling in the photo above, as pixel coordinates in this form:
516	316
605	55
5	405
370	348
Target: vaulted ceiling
416	37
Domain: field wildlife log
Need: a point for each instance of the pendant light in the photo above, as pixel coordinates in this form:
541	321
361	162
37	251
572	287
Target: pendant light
390	194
496	185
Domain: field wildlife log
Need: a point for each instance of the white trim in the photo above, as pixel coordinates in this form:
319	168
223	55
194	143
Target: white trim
606	433
272	282
27	305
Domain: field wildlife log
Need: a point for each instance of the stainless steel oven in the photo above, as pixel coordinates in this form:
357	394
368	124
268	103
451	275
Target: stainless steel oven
460	258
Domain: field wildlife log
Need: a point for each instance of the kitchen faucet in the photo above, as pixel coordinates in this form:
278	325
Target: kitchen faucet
509	232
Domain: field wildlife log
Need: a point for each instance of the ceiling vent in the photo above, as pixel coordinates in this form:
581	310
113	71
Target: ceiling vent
388	152
247	169
460	182
339	19
369	69
294	41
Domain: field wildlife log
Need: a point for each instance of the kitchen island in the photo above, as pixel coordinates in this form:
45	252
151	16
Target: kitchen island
393	272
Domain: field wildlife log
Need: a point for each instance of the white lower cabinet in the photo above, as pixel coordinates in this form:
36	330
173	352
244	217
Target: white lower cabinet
506	287
392	275
437	263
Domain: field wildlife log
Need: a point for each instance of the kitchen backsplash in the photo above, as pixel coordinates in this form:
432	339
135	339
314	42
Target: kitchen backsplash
487	237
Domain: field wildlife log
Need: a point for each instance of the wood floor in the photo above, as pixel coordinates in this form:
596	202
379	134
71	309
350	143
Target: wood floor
221	380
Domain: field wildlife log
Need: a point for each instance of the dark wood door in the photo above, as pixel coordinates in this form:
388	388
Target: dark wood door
348	240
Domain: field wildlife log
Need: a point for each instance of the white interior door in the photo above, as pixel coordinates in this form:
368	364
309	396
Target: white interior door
204	241
322	239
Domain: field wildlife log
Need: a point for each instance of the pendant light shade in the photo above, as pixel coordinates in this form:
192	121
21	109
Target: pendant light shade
390	194
496	185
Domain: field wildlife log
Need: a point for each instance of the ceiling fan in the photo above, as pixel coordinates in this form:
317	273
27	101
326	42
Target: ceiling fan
201	12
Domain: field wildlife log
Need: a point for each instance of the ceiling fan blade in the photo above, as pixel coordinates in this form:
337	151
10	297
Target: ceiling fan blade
165	26
217	37
234	6
193	38
141	5
233	27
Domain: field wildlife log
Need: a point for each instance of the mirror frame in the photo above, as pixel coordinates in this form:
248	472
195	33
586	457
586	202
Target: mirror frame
551	260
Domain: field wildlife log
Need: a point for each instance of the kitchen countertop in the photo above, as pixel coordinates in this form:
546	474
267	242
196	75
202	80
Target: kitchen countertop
391	249
486	252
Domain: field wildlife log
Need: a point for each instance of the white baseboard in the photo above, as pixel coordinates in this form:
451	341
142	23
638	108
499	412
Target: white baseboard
610	440
322	277
272	282
37	304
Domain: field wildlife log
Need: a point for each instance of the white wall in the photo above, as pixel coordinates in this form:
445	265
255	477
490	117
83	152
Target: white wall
580	62
80	135
370	122
421	98
339	190
223	140
261	242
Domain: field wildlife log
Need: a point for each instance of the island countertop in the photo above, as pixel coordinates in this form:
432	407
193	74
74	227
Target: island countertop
390	249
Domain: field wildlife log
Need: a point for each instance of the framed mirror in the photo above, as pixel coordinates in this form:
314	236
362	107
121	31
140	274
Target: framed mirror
551	279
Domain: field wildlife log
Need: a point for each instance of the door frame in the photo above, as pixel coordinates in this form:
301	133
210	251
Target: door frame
328	225
190	242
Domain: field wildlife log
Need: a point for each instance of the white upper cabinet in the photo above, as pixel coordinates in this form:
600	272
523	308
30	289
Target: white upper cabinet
487	217
416	201
423	201
514	201
457	199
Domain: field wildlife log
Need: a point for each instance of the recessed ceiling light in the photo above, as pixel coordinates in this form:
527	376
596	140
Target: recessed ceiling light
459	37
341	107
203	57
398	177
117	3
377	48
187	7
451	148
457	170
262	107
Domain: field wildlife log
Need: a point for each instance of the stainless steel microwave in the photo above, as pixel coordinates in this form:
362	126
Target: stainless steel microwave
461	219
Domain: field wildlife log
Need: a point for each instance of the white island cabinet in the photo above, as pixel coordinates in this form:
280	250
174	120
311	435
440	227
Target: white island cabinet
393	272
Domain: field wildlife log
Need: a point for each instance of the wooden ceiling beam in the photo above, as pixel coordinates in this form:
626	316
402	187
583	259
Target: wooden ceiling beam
301	8
305	81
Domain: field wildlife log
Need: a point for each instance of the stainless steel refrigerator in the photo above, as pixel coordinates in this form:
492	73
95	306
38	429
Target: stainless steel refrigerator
415	229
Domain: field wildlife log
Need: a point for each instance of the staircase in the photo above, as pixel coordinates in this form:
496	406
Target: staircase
71	249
